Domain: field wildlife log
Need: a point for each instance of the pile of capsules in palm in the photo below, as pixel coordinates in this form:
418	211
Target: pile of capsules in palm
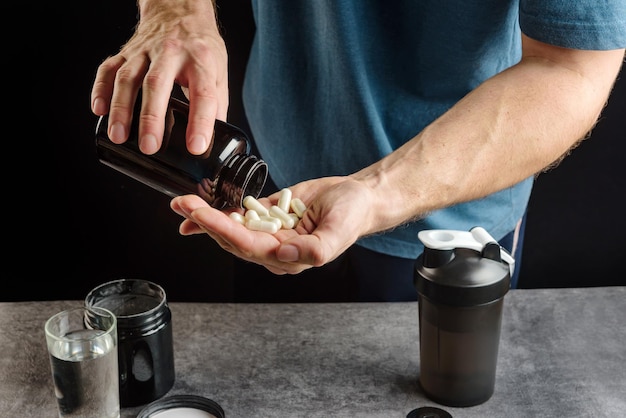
285	214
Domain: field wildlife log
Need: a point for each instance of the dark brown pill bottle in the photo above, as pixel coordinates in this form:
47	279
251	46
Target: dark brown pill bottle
222	176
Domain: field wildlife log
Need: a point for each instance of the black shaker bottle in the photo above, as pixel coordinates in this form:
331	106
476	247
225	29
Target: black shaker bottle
223	176
461	280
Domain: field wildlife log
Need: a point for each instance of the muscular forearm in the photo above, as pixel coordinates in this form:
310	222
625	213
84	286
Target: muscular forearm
511	127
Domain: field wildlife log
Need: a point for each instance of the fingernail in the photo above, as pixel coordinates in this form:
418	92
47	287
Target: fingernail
198	144
288	253
117	133
99	106
148	144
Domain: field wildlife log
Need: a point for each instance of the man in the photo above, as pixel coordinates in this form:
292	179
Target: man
384	119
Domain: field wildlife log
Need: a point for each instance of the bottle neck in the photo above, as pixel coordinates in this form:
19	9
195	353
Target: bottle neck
242	175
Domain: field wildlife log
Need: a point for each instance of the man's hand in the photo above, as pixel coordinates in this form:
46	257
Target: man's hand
337	215
176	41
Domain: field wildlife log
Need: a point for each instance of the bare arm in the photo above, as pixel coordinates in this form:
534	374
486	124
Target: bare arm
176	41
513	126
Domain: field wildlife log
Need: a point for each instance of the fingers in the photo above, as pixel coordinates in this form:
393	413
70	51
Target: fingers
202	114
199	74
153	60
185	205
254	246
114	92
305	249
102	89
156	90
207	82
218	225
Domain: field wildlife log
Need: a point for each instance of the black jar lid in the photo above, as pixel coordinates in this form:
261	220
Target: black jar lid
170	404
429	412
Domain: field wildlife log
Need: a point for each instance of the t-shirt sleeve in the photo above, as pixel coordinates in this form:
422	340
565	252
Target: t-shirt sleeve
579	24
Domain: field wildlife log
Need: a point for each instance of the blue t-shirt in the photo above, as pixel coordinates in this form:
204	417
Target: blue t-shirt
333	86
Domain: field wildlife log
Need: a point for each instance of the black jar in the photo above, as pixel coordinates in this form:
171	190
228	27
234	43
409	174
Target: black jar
145	342
223	176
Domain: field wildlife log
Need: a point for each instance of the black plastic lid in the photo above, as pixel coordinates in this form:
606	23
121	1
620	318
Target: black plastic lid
429	412
171	403
467	279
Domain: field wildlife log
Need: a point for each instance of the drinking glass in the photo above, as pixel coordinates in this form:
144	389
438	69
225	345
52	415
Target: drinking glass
82	344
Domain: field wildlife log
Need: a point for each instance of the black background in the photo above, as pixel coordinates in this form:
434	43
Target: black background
73	223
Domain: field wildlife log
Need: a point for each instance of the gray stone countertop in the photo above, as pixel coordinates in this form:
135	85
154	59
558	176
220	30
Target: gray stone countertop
562	354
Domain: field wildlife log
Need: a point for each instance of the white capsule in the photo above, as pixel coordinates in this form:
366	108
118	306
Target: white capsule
284	200
277	221
295	218
249	202
237	217
261	225
297	206
286	220
252	214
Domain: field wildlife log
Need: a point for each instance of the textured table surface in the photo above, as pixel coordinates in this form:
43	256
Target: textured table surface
562	354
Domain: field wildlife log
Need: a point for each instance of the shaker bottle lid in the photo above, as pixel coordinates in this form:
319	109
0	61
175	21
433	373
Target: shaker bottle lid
182	406
477	239
462	268
428	412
